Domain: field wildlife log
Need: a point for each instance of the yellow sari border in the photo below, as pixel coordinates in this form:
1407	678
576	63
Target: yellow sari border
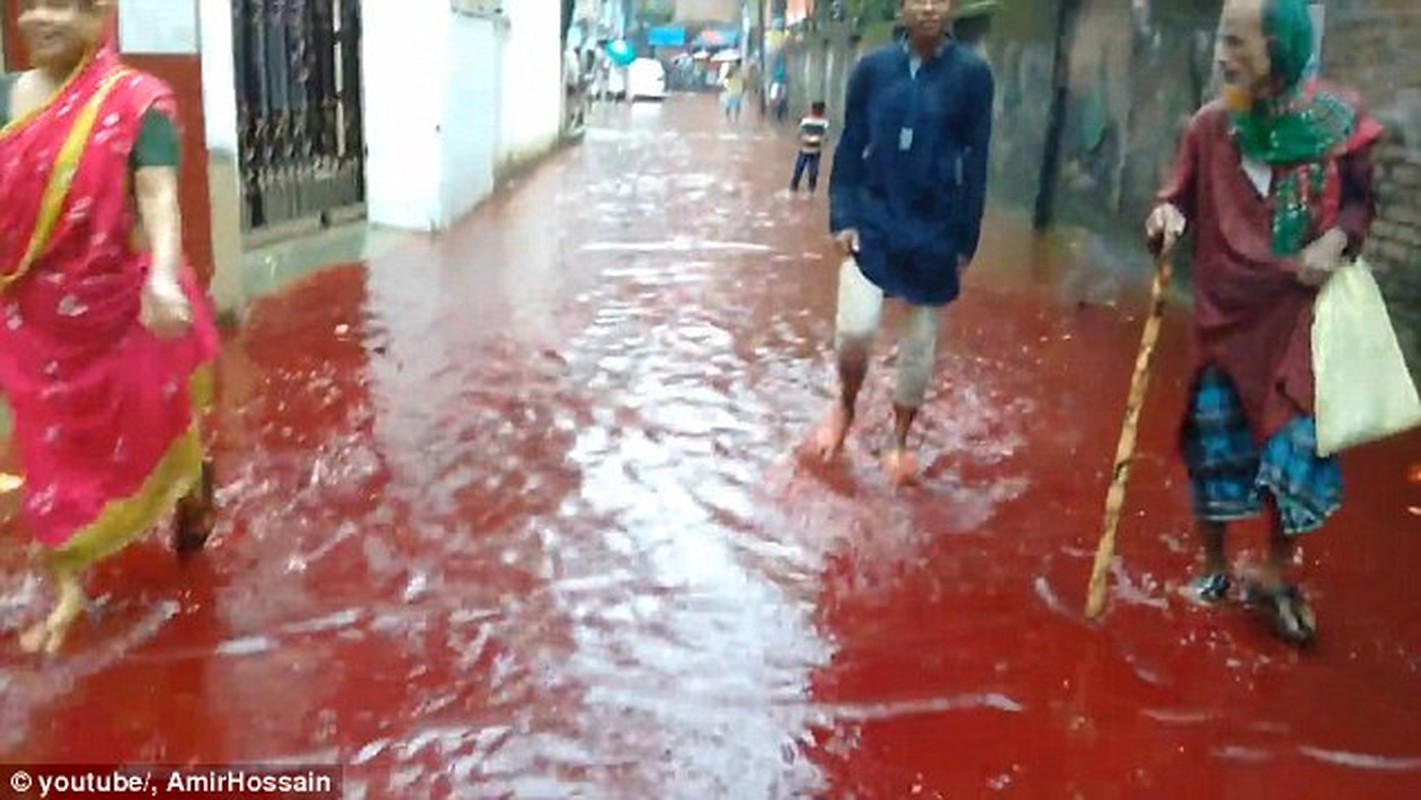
124	521
61	177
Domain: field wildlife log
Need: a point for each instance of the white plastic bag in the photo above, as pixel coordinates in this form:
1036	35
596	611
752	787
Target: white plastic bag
1364	391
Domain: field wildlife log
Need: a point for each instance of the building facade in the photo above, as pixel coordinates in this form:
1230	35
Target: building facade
709	11
403	114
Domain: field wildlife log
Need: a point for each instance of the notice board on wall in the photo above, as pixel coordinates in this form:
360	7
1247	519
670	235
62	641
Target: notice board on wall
158	27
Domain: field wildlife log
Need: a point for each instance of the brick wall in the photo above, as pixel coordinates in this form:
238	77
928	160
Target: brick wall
1395	244
1375	46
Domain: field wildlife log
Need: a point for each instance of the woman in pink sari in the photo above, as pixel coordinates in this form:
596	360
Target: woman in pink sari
106	341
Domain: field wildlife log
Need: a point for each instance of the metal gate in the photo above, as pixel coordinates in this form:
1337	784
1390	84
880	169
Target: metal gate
298	106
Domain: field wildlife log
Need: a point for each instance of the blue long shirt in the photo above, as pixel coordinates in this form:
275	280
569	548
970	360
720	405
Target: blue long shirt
910	170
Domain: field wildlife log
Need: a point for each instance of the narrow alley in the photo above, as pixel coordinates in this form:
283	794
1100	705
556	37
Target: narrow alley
518	512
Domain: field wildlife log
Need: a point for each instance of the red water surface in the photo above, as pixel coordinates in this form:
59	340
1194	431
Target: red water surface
517	513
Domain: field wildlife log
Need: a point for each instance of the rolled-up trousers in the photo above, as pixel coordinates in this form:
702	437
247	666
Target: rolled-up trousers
859	315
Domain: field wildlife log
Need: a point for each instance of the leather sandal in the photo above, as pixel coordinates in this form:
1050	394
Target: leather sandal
1210	589
195	516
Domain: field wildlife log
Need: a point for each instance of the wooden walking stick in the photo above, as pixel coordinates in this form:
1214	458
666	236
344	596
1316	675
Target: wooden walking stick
1125	452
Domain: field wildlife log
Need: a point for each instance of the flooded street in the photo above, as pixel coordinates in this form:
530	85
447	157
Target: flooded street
519	513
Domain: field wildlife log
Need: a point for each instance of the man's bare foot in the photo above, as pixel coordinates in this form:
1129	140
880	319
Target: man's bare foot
48	636
828	441
901	466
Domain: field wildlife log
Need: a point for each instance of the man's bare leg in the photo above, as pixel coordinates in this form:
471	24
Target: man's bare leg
915	366
900	462
860	310
853	368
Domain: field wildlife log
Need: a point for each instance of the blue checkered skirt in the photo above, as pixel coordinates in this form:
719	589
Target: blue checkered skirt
1230	478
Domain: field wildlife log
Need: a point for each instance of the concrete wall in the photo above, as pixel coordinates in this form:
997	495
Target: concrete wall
485	97
405	52
219	105
471	130
1135	75
531	66
431	141
490	97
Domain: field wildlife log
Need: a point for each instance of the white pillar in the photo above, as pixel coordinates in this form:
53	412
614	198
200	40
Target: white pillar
404	71
532	81
219	108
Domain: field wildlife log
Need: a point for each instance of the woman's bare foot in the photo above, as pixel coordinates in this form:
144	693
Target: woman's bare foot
828	441
11	495
901	465
48	636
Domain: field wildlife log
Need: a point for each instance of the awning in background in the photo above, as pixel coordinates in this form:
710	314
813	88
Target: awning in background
666	36
717	38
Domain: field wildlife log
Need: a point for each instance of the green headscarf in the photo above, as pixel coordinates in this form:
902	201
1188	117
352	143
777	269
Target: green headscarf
1288	26
1296	126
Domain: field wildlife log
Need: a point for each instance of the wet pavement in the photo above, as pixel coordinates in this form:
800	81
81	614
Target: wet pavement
518	514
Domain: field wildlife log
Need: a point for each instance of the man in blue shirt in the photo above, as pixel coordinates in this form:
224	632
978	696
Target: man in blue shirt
906	199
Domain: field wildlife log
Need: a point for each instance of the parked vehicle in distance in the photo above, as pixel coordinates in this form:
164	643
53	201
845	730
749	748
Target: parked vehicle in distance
646	80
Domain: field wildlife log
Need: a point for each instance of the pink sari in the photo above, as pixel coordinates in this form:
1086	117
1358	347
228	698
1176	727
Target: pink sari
104	411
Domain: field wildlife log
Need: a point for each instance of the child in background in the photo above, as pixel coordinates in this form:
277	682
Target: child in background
813	130
733	93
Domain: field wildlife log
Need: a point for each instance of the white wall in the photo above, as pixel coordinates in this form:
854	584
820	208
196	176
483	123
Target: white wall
532	78
219	77
405	45
449	99
404	69
219	109
473	102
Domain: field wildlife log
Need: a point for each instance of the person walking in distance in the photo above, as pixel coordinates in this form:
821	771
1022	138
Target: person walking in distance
813	130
